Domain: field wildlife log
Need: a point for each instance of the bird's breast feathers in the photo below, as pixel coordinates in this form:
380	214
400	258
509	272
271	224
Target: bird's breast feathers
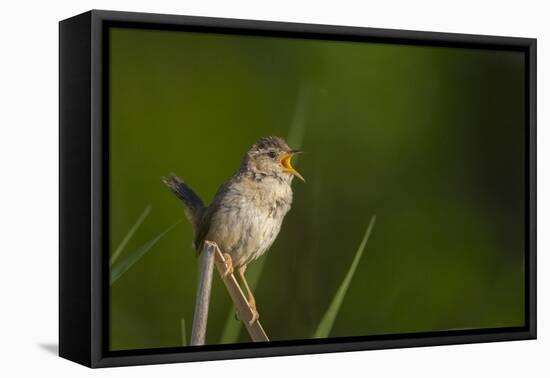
250	219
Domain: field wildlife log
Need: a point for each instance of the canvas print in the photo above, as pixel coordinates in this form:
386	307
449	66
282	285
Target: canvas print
271	189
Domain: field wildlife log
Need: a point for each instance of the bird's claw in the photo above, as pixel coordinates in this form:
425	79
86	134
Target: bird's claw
228	263
255	317
255	313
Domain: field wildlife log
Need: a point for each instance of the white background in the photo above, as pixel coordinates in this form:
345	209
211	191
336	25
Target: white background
29	188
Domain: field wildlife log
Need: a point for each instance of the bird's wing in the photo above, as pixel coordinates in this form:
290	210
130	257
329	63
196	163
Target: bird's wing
203	227
206	219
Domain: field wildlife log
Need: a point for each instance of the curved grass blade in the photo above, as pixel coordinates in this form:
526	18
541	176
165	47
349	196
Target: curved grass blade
297	128
232	327
325	326
126	239
122	266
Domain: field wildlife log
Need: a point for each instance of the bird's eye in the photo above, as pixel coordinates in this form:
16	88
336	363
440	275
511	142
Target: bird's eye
272	154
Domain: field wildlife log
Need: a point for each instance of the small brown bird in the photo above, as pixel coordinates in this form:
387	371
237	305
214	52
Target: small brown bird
246	214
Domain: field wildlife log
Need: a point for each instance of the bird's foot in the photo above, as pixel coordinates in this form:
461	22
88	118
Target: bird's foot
255	313
228	263
255	317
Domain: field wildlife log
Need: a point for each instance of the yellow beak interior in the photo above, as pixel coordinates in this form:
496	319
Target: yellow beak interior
285	162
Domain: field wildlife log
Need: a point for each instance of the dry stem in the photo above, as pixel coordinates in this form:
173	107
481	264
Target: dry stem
200	318
210	256
244	311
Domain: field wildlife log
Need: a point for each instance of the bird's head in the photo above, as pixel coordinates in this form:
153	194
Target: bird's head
271	156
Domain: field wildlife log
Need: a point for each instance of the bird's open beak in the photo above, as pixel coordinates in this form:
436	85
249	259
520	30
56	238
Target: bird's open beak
285	162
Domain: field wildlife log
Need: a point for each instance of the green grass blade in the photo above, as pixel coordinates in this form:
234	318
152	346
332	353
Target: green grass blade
129	235
325	326
183	333
232	327
297	130
122	266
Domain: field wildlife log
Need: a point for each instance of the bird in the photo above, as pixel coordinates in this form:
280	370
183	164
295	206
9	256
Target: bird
247	212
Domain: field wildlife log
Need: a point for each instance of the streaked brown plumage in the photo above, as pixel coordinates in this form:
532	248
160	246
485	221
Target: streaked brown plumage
246	213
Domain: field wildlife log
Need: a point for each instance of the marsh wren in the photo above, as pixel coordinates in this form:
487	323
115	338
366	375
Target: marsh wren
246	213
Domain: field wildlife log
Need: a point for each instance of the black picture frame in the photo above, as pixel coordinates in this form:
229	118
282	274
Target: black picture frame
84	188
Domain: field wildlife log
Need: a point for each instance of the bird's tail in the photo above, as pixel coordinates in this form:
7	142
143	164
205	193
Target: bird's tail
193	203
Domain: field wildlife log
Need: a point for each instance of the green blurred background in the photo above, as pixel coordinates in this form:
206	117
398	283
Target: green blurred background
428	139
